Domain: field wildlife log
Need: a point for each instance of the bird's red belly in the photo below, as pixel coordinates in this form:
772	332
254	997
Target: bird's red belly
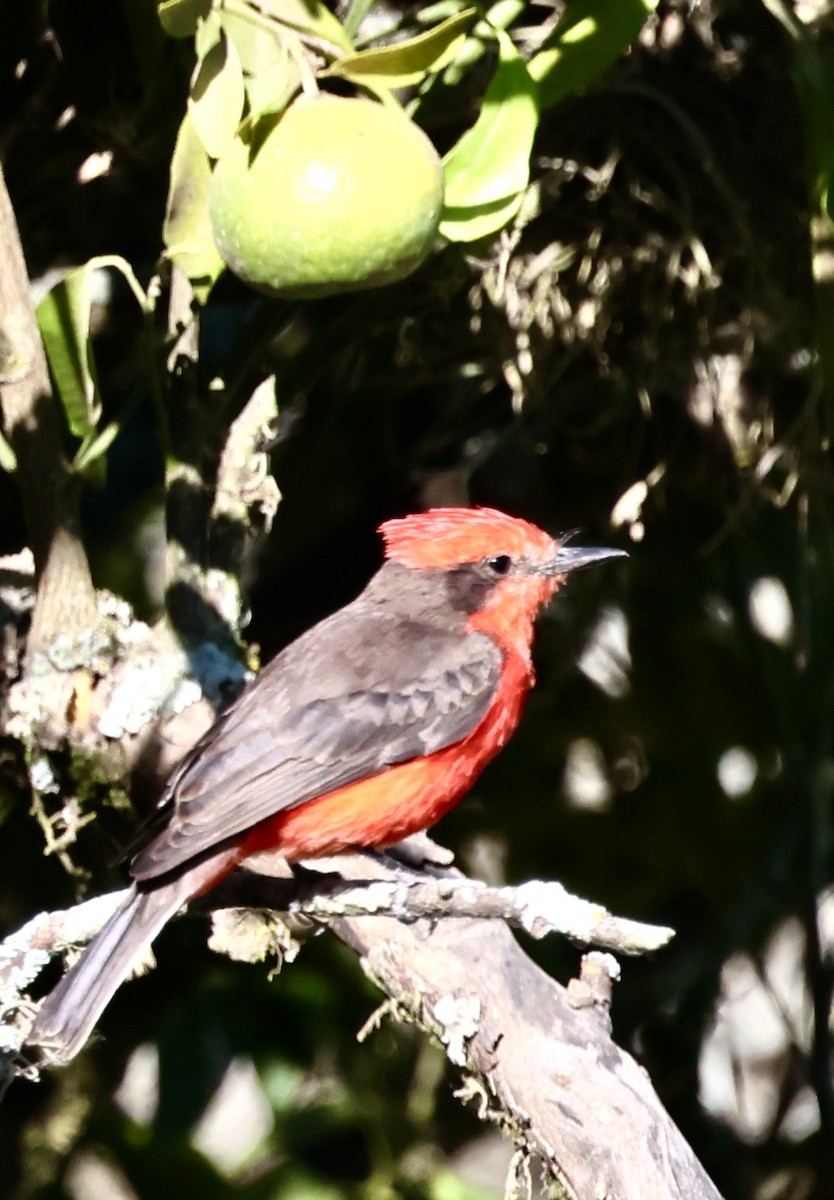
374	812
388	807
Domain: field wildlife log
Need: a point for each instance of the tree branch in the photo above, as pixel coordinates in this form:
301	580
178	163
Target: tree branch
537	1058
538	907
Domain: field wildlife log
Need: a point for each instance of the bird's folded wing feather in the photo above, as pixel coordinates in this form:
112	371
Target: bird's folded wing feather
351	697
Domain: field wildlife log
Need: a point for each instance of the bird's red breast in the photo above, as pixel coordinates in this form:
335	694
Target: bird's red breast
404	799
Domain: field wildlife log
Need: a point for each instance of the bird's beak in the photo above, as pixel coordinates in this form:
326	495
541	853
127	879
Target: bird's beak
569	558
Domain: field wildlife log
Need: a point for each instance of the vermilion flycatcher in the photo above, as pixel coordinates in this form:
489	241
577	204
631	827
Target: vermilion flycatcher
368	728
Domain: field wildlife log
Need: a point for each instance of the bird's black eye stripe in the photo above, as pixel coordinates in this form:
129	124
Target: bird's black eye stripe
499	563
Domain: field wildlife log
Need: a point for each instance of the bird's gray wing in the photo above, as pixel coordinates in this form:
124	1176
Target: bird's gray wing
354	695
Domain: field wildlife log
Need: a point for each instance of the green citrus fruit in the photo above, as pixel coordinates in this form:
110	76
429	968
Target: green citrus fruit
342	194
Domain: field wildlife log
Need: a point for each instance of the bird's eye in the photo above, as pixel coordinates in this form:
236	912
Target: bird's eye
500	563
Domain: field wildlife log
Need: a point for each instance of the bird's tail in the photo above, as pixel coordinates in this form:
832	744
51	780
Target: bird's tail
69	1013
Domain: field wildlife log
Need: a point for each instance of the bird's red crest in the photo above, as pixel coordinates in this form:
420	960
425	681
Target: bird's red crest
444	537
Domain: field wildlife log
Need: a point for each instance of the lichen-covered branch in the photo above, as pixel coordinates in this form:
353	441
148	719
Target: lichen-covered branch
65	609
537	907
143	696
536	1057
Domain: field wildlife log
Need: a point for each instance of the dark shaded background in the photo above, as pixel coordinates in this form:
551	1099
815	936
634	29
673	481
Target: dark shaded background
655	321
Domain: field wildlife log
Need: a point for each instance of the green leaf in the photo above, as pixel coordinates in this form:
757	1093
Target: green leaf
186	230
589	38
479	220
89	460
356	13
311	18
179	18
431	14
8	463
217	93
500	15
489	168
406	63
64	319
271	91
206	34
115	262
270	73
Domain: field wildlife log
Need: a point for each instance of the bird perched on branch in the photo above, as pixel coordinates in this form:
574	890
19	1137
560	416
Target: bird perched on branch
366	729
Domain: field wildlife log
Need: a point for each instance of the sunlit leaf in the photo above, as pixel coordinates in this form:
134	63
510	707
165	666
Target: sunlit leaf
89	461
187	230
356	13
272	90
64	316
8	463
488	169
179	18
207	33
589	38
217	95
479	220
311	18
406	63
432	13
270	73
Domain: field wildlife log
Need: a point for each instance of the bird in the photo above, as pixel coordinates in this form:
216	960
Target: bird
366	729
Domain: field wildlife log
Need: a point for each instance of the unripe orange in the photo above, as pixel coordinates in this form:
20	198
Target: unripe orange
342	194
